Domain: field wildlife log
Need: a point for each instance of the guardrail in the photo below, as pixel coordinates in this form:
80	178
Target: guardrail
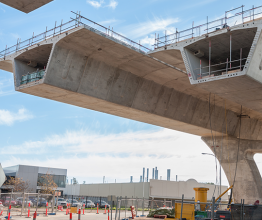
58	29
239	17
111	32
37	38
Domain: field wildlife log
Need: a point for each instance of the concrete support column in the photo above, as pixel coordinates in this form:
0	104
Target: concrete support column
248	183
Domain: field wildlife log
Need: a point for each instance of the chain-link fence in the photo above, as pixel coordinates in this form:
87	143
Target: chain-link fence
185	209
141	207
90	203
25	204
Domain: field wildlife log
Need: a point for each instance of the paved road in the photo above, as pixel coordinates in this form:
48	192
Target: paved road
87	216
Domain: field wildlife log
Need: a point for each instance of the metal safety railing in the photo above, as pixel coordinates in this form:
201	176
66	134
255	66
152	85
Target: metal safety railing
110	32
220	68
61	28
228	67
57	30
241	16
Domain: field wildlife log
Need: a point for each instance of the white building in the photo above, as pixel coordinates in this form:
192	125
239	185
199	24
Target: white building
157	189
33	175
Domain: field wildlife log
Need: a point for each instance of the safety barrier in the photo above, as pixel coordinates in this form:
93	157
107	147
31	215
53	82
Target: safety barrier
25	204
221	68
63	27
186	208
241	16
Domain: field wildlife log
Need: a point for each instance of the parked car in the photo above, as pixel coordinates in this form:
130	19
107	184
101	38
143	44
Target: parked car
41	202
19	202
62	202
32	199
7	202
88	203
102	205
74	203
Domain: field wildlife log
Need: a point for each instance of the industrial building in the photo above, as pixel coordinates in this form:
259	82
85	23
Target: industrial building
157	189
32	175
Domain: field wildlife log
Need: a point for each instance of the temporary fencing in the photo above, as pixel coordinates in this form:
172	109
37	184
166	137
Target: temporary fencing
90	202
25	204
177	208
141	206
184	208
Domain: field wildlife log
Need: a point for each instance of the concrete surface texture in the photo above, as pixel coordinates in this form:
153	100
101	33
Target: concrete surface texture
157	189
25	5
232	153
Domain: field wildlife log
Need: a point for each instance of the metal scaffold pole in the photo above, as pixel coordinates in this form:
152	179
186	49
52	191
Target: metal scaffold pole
230	51
209	57
182	207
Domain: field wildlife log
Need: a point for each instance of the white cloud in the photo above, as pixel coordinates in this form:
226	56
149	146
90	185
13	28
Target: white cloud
145	28
96	4
118	156
8	118
113	4
148	41
108	22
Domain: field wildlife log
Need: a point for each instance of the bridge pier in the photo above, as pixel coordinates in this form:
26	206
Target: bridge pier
248	183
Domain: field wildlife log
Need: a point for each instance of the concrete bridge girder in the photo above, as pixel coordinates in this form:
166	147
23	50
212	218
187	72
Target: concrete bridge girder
240	87
248	184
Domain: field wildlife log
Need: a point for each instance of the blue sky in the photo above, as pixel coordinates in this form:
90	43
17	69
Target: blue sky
37	131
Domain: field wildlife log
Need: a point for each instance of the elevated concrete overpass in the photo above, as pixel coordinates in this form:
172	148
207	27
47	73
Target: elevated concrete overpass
25	5
99	70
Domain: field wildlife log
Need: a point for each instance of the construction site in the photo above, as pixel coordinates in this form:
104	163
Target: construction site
205	80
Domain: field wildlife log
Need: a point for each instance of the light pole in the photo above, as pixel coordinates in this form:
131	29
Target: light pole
219	171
